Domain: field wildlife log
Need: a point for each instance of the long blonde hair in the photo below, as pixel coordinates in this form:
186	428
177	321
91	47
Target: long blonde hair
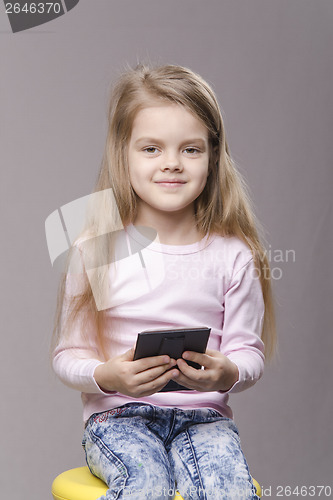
223	207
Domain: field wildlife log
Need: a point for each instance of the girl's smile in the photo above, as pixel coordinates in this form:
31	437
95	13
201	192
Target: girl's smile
171	183
168	157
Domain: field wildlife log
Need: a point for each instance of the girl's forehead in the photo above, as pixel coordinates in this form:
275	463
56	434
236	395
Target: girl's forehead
167	115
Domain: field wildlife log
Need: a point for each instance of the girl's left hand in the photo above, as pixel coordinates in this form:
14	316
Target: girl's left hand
219	373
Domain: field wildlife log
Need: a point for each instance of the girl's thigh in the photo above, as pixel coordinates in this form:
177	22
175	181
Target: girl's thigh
208	463
128	457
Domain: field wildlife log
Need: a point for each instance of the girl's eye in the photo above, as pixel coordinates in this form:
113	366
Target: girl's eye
192	151
150	150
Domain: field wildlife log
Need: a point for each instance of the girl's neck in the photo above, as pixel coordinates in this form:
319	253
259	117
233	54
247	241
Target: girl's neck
172	229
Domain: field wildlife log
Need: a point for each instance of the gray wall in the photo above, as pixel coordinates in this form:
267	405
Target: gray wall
270	63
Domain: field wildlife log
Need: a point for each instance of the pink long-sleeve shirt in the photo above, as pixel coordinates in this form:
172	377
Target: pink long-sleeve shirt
210	283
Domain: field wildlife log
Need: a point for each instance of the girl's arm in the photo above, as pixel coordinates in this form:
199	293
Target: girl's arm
80	370
240	362
76	356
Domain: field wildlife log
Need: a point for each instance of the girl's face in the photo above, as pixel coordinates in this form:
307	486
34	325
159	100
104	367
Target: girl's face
168	157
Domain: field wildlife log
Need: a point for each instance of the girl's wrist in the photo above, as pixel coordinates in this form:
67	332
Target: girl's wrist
234	376
99	376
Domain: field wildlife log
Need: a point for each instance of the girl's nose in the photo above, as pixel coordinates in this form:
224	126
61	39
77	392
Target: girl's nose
172	162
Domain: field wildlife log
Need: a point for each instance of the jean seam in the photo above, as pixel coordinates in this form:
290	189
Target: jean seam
196	463
108	454
150	420
172	426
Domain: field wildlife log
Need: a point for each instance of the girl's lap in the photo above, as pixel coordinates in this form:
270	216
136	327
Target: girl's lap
144	456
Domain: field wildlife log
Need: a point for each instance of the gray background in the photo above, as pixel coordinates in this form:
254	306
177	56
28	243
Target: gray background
270	63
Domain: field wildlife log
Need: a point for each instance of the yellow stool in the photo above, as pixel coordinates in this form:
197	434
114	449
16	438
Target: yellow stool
80	484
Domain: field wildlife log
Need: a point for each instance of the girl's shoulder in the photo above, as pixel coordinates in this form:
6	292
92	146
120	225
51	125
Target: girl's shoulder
231	243
230	251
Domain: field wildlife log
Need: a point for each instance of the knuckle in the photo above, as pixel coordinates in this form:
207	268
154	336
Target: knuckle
154	386
132	389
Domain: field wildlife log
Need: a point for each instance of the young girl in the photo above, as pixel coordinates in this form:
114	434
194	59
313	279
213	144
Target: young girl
184	252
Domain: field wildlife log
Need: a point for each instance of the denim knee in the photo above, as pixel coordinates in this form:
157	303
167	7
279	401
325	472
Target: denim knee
128	458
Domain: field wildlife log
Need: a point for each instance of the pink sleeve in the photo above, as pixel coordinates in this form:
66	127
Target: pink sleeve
75	371
76	356
243	319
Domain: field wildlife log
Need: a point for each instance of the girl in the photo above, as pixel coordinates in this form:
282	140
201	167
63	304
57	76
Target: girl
168	168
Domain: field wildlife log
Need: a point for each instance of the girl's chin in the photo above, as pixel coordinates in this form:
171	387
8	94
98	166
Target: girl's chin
166	208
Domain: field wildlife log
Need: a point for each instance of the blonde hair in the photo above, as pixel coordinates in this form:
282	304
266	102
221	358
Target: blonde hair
223	207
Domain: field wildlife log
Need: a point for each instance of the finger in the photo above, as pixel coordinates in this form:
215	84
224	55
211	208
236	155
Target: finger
202	359
215	354
154	373
186	381
189	371
152	362
157	384
128	355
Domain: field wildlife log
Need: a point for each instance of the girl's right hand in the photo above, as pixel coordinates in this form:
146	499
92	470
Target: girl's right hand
138	378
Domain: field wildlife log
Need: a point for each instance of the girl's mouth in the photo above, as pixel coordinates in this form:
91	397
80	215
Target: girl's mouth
171	183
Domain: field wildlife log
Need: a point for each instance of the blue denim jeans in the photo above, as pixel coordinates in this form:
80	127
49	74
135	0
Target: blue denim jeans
147	452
